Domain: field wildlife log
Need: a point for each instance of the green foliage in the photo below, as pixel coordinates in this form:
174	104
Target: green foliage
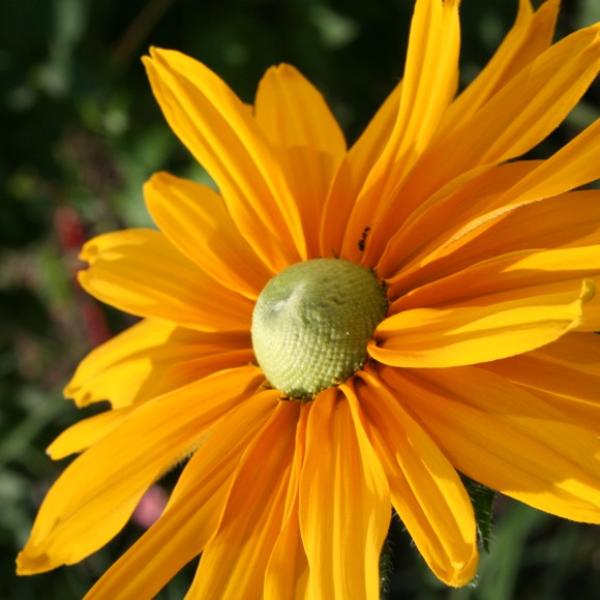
483	503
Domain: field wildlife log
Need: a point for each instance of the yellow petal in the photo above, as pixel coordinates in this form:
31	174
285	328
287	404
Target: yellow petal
352	173
151	358
292	113
508	439
194	511
96	494
566	373
574	165
427	493
512	271
429	84
344	504
557	79
298	122
571	219
518	117
309	175
591	312
221	133
287	571
85	433
480	330
140	272
431	223
195	219
575	351
430	75
253	517
530	35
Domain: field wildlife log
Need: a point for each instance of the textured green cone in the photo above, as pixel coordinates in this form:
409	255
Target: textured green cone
312	322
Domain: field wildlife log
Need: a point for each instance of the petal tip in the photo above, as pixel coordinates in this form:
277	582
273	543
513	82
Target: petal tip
52	453
157	179
29	562
286	69
525	8
89	251
83	278
464	573
154	51
147	62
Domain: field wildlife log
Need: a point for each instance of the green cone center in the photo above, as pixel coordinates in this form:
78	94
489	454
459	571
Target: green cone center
312	322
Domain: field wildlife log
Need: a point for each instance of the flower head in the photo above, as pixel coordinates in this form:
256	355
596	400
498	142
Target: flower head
338	332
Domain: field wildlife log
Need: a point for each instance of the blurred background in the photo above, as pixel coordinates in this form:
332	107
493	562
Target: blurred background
80	133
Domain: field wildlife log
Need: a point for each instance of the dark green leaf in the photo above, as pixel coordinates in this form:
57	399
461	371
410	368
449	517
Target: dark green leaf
482	498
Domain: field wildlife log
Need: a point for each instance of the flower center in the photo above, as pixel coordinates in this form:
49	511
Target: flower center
312	322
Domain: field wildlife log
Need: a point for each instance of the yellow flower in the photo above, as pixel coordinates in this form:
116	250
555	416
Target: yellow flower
484	363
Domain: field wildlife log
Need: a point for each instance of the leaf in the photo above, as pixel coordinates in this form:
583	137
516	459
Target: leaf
386	567
482	498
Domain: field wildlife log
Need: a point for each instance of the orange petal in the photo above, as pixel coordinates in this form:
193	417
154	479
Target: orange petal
448	209
310	143
512	271
151	358
96	494
196	221
527	109
591	311
427	493
194	511
344	487
253	517
508	439
221	133
429	84
353	172
287	570
571	219
140	272
86	433
483	329
530	35
573	165
293	113
566	373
